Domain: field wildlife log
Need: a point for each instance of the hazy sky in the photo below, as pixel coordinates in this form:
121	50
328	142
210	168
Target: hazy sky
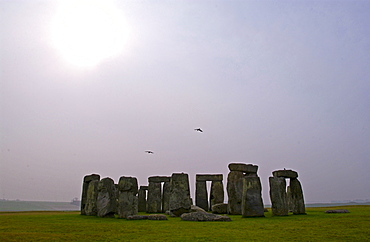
278	84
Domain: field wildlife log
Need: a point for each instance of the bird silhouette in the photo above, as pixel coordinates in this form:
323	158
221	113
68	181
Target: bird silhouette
149	152
198	129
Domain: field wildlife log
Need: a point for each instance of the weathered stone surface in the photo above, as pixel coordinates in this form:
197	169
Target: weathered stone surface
337	211
137	217
142	199
127	198
217	193
154	200
106	201
194	208
199	216
180	201
235	191
85	185
297	197
252	205
92	196
201	195
159	179
246	168
220	208
166	196
209	177
157	217
289	199
285	173
278	196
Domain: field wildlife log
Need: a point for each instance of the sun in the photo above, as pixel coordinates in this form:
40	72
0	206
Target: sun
86	32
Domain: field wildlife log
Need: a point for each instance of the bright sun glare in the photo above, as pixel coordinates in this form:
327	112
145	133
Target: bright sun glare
86	32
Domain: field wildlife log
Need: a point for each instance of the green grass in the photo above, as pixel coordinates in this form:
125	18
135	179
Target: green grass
70	226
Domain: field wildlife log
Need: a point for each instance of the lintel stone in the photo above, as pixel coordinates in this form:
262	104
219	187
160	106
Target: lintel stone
247	168
285	173
209	177
159	179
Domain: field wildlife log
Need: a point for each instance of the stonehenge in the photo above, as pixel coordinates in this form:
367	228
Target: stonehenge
283	198
216	194
170	195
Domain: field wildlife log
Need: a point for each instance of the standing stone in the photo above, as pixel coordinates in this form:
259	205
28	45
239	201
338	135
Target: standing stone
235	191
180	201
297	197
217	193
201	195
142	198
91	201
289	199
154	201
278	196
107	201
252	205
127	199
166	197
85	186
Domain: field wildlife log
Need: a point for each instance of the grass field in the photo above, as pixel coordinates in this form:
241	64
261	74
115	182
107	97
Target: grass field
70	226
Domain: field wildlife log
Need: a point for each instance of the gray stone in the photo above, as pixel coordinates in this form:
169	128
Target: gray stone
154	200
209	177
297	197
85	185
199	216
137	217
278	196
91	201
220	208
285	173
337	211
157	217
159	179
180	201
217	193
127	199
246	168
235	192
106	201
289	199
194	208
252	205
142	199
166	196
201	195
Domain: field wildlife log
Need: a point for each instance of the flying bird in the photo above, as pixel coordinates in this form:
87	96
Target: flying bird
149	152
198	129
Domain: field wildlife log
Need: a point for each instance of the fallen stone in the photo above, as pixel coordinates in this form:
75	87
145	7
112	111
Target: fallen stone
137	217
157	217
220	208
199	216
337	211
194	209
